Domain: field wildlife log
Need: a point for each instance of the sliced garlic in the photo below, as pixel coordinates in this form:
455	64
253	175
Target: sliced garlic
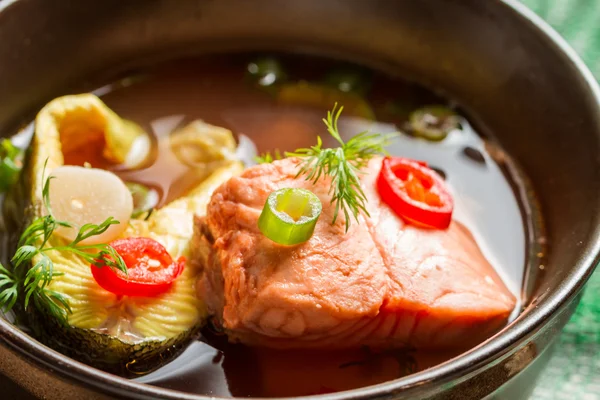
80	195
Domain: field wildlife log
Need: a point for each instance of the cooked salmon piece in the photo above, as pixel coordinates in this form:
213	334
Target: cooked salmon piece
384	283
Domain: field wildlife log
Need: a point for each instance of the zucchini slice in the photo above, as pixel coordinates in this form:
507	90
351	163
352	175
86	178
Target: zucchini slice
120	334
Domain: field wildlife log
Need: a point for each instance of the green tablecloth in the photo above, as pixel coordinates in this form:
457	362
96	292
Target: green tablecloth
574	371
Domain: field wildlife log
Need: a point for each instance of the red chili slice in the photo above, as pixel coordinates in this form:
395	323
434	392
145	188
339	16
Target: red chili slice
151	270
415	192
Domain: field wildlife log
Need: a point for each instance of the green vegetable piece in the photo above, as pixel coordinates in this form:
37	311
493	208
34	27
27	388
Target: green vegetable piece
10	164
434	123
266	71
349	81
144	198
290	215
267	157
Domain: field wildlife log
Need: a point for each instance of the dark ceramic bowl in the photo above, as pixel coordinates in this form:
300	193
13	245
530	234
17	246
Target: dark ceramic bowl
507	67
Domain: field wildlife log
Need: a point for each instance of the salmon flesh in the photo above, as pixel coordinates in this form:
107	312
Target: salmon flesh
383	284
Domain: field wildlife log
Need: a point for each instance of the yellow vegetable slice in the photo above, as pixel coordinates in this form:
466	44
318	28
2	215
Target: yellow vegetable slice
315	95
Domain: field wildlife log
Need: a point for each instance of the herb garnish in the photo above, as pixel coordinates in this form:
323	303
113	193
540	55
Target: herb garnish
342	164
268	157
10	164
33	282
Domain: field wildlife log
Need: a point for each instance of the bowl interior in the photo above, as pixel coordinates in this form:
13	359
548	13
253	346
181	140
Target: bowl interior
515	81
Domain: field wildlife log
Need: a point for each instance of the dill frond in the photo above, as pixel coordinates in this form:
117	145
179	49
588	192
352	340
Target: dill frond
343	165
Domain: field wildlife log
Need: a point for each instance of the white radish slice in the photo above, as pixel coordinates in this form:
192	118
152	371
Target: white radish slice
81	196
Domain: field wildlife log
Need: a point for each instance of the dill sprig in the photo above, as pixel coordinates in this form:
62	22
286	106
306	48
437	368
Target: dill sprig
33	283
342	164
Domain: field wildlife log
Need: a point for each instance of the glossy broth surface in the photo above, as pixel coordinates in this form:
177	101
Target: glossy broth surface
222	91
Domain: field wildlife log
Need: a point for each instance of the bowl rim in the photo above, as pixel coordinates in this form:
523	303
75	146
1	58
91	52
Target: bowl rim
499	345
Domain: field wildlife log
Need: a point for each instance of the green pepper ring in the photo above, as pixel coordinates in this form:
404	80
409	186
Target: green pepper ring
276	223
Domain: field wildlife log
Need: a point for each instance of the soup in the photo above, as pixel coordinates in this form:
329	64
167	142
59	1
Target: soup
276	104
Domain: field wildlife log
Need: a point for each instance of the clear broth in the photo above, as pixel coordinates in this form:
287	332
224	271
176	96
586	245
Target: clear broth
217	90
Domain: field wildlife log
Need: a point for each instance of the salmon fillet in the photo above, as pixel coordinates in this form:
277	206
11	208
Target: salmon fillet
382	284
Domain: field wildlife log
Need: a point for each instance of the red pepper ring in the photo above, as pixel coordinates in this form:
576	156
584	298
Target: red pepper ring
415	192
151	270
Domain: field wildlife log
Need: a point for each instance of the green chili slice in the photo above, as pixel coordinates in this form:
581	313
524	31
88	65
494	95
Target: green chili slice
144	198
434	122
290	215
266	71
349	80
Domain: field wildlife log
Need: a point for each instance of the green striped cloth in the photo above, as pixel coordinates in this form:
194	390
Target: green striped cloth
578	21
574	370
